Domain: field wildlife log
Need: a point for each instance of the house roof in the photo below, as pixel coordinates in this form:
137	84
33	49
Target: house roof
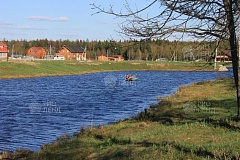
227	53
2	44
36	49
3	48
75	49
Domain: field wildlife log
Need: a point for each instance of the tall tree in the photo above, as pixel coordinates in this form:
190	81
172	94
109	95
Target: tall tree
204	19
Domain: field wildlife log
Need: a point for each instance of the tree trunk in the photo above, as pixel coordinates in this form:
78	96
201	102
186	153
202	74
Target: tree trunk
228	4
235	64
238	98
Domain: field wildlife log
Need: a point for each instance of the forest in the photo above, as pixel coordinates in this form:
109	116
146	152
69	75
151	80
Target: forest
131	49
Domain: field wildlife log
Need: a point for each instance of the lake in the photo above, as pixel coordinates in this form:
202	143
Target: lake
35	111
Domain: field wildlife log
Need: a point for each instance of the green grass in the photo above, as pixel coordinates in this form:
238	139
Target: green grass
26	69
198	122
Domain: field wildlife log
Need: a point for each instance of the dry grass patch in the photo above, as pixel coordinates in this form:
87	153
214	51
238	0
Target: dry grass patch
25	62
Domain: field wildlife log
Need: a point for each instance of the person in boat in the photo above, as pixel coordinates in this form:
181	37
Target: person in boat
128	76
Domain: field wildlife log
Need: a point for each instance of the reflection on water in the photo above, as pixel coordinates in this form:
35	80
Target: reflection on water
35	111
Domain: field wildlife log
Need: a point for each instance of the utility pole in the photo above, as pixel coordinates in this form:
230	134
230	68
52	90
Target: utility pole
215	61
85	55
7	53
12	50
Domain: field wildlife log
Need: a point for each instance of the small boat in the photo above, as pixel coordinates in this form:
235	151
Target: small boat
131	78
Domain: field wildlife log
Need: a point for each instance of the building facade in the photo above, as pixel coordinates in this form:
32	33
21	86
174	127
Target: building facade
3	50
224	56
36	52
72	53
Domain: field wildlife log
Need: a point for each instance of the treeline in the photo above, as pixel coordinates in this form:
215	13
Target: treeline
130	50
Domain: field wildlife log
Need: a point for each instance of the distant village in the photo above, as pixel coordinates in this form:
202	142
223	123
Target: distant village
78	53
64	53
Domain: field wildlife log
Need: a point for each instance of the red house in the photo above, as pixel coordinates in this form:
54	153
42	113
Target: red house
72	53
3	50
36	52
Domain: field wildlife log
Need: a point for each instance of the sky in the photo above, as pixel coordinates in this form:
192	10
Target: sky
58	19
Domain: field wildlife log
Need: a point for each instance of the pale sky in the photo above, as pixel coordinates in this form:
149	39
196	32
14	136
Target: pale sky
59	19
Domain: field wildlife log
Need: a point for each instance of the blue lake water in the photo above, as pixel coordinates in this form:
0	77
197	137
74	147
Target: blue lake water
35	111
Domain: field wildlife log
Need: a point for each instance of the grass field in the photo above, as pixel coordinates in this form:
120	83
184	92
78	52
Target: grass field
198	122
26	69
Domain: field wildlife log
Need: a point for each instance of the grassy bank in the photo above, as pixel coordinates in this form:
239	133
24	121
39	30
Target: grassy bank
195	123
25	69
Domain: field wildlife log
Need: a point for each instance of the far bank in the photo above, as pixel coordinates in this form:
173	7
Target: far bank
40	68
